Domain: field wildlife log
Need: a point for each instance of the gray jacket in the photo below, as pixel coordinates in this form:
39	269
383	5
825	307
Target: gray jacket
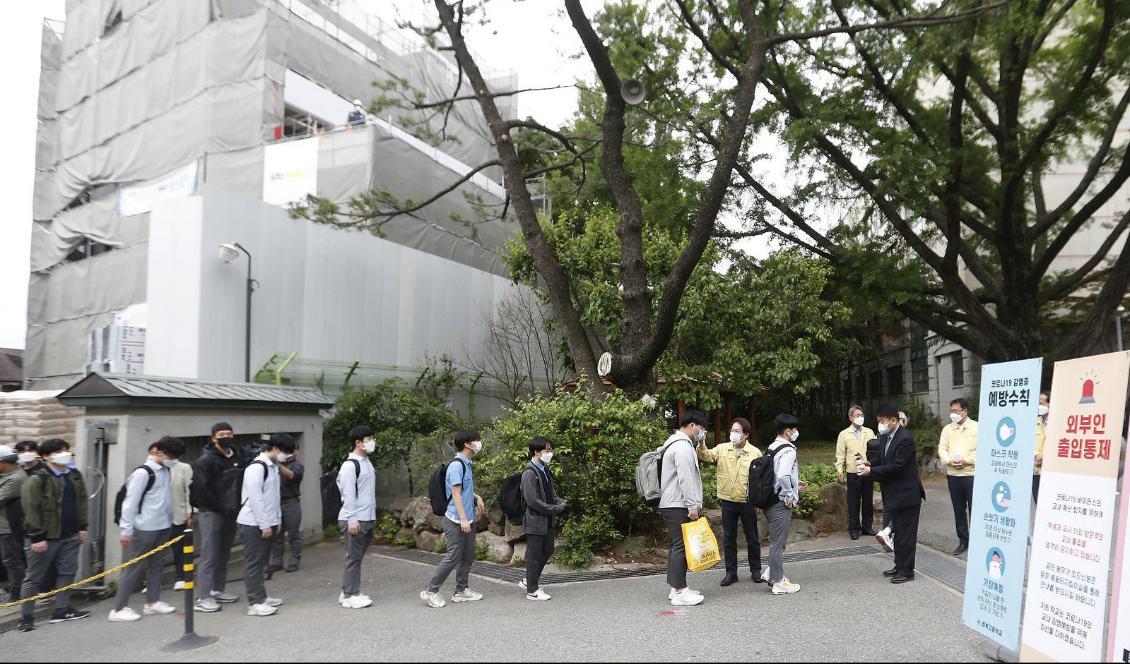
540	508
681	481
10	484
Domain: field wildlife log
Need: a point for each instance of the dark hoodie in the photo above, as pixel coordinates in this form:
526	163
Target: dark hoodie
206	491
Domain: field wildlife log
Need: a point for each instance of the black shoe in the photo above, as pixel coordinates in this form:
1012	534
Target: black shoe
291	568
902	579
26	625
730	580
870	533
855	536
63	615
961	548
757	577
890	572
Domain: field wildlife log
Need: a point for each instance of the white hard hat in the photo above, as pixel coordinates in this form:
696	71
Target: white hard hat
6	452
356	102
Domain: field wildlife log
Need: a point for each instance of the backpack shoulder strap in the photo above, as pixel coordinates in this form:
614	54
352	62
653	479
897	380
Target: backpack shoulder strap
148	483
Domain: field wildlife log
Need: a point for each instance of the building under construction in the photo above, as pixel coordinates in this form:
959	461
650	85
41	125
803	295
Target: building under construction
171	127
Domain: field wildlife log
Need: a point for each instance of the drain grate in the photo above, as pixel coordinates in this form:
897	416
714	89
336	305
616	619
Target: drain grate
515	574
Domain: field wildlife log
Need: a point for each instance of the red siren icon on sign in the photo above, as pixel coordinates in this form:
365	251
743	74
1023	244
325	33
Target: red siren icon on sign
1088	391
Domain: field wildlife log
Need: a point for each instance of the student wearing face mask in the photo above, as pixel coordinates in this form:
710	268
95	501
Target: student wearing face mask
291	472
957	449
897	474
1041	438
259	518
851	451
27	455
357	484
12	478
55	521
681	499
733	459
458	524
147	516
216	525
542	507
780	514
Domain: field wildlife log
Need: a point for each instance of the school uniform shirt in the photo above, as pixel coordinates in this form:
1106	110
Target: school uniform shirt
787	470
260	498
733	469
850	442
957	438
460	473
154	510
358	494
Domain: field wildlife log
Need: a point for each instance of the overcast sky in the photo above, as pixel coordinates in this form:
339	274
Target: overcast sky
532	37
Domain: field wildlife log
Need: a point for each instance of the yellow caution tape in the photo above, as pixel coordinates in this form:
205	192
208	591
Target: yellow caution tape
108	572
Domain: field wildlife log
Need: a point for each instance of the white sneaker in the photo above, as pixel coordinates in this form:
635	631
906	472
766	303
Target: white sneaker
686	598
273	601
158	608
785	587
356	602
886	539
539	596
179	585
224	598
765	575
125	615
467	595
432	599
260	610
206	605
522	584
671	595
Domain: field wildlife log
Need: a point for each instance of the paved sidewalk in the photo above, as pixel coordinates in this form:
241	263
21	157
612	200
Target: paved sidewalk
845	611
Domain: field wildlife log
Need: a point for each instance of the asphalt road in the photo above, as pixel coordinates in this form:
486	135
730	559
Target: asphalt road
845	611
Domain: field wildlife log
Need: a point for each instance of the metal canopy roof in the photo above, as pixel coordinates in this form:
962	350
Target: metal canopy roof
153	391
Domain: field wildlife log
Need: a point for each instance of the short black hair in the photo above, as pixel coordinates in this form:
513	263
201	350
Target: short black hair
785	421
538	444
281	441
172	447
221	426
27	446
465	436
693	416
359	432
53	445
961	402
888	410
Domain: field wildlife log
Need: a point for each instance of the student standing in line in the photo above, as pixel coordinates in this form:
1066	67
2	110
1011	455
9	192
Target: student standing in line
259	517
357	484
12	478
780	514
458	524
147	517
733	459
542	507
957	449
680	500
216	525
290	477
55	522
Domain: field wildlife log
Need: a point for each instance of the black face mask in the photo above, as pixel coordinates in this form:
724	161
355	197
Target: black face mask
224	443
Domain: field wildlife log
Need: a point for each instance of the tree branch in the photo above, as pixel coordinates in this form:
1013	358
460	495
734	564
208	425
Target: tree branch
902	23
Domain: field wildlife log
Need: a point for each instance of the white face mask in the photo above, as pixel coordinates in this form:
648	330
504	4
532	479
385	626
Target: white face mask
26	457
858	421
1042	410
955	418
546	457
475	446
735	437
62	458
794	435
369	445
884	427
169	463
282	457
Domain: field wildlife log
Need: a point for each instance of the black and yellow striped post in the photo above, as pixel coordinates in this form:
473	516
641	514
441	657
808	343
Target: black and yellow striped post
190	639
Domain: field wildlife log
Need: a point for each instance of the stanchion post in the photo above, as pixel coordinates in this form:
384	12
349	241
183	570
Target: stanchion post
190	639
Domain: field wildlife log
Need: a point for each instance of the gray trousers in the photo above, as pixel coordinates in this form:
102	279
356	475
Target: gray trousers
355	546
12	554
152	567
291	531
674	518
256	553
460	554
216	535
779	518
63	555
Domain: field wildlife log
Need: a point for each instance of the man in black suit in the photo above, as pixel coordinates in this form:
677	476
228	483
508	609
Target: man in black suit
897	474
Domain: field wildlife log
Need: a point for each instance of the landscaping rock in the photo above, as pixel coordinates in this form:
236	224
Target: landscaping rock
482	522
877	504
498	549
416	513
714	518
426	540
496	518
831	514
405	537
398	506
513	533
800	531
519	555
433	522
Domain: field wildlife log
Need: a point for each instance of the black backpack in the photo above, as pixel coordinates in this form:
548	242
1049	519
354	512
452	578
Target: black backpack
15	514
121	497
437	486
511	500
763	479
226	477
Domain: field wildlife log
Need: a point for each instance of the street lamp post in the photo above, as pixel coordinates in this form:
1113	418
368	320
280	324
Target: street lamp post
1118	324
228	253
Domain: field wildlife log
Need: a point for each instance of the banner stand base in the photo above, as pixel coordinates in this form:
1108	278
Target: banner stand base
999	653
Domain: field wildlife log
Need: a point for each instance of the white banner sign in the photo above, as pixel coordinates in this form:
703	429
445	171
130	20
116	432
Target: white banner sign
290	171
139	198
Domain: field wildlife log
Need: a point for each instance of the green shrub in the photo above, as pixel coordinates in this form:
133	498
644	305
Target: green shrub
386	527
480	550
331	532
816	475
596	446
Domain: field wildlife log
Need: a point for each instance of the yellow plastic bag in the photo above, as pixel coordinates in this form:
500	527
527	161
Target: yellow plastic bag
701	545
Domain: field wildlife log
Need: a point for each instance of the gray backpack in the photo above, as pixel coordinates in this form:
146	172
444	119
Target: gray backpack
649	473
